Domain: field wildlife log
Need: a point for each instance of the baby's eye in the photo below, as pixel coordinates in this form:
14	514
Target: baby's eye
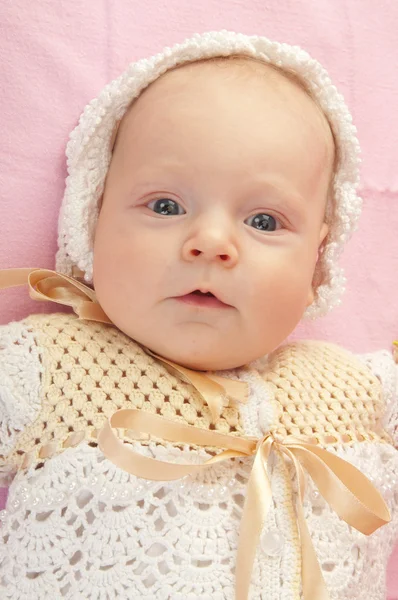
263	222
166	207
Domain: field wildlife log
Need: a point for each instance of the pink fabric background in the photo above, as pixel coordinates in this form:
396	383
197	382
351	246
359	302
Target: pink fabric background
56	56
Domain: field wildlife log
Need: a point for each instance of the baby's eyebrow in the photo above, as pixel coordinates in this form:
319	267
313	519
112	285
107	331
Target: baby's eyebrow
158	173
278	191
163	166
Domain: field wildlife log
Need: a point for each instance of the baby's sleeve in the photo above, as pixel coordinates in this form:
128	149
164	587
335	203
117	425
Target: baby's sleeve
382	364
20	381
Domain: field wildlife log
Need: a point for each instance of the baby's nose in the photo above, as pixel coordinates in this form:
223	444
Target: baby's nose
211	247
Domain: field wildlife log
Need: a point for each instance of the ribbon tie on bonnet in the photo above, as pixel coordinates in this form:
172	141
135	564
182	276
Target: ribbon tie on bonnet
351	495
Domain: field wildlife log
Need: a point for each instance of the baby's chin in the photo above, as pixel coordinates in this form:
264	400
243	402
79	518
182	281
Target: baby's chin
197	346
206	359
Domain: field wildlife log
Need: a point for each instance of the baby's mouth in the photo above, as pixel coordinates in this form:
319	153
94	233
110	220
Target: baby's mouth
202	299
199	293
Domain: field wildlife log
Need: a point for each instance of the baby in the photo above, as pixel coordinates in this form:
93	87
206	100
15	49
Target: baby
163	442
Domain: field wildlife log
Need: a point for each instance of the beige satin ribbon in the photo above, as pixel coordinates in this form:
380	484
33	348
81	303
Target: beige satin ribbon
351	495
48	285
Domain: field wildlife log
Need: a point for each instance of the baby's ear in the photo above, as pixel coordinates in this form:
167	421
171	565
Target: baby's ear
316	280
311	295
322	236
114	136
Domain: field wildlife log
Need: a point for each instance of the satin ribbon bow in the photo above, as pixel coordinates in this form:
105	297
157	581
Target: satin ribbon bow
48	285
347	490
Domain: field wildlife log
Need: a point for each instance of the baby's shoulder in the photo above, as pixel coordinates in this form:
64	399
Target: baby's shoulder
321	388
319	359
56	324
61	378
63	333
325	361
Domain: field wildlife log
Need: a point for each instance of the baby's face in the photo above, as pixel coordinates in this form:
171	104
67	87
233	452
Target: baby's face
213	213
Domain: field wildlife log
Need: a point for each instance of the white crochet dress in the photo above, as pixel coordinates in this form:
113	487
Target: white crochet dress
81	528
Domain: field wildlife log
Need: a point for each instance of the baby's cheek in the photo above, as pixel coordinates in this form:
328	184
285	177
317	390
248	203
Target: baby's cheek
281	297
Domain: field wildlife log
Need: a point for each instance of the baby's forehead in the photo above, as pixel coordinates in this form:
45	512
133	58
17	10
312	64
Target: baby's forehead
187	82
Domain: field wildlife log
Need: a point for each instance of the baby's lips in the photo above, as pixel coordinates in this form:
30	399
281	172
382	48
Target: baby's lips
206	291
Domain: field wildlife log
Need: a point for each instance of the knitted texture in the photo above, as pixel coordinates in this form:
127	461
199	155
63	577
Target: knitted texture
20	383
385	368
19	386
89	150
81	528
76	526
90	371
325	393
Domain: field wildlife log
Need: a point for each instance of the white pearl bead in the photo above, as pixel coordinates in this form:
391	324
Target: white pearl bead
272	544
210	493
223	491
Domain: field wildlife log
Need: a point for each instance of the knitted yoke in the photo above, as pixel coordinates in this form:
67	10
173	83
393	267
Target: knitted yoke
322	391
90	370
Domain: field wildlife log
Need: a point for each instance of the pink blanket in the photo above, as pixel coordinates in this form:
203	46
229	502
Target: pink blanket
56	56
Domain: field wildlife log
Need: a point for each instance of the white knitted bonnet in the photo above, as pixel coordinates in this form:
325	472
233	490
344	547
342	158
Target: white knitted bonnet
89	150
